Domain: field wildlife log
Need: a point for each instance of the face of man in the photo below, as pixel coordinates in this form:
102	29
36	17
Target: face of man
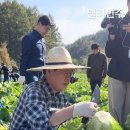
43	29
46	29
59	79
95	51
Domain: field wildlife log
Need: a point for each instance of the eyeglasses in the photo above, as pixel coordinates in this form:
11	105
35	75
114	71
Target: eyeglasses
66	73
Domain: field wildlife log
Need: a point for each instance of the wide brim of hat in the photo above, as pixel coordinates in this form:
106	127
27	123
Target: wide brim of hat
67	66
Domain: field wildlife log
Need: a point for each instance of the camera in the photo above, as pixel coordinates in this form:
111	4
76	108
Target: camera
112	21
73	80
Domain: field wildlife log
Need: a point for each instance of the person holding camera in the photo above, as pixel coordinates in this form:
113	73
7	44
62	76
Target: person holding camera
118	49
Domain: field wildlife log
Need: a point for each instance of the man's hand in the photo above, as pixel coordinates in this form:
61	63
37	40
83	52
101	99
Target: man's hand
85	109
21	79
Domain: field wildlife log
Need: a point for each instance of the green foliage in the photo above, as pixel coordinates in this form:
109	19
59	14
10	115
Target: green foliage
15	21
4	55
71	125
127	123
76	92
9	94
81	48
4	115
103	121
80	91
53	37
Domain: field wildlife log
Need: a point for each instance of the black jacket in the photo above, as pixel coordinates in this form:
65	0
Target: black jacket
5	70
118	50
98	64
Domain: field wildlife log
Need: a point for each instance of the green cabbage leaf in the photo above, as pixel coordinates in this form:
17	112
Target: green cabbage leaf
103	121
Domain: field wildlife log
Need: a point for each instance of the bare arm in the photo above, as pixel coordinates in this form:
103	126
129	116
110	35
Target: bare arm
86	109
61	115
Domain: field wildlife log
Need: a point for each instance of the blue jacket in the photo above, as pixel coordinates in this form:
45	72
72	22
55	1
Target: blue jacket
33	51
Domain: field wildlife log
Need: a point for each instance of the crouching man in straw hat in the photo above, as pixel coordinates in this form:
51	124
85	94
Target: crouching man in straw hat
43	105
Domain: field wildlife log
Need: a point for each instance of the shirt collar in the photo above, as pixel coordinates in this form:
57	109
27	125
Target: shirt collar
37	34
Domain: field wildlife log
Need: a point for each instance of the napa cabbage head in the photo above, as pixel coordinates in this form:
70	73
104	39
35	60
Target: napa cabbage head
103	121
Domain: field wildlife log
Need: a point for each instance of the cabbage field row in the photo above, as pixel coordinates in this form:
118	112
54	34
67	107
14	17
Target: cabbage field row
76	92
80	91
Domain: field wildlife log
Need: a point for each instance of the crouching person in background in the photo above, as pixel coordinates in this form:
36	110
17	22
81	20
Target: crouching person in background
14	76
43	105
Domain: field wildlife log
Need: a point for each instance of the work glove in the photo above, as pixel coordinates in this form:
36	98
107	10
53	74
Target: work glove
21	79
85	109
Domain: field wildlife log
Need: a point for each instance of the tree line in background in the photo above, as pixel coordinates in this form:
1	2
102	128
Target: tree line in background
4	56
81	48
15	21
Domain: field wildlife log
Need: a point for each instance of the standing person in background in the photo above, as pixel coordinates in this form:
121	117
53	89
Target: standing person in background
34	50
5	70
98	63
118	49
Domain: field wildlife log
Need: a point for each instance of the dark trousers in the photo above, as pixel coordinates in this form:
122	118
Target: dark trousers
32	76
6	78
93	83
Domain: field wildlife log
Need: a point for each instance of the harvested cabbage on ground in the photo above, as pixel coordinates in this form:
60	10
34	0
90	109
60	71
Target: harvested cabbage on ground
103	121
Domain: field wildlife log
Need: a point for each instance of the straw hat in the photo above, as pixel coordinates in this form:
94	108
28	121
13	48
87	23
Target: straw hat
58	58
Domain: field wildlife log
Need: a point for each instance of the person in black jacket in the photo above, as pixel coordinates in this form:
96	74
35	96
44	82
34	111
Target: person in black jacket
34	50
98	63
118	49
5	70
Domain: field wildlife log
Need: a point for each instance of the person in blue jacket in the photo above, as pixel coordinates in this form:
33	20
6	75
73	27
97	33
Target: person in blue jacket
34	50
